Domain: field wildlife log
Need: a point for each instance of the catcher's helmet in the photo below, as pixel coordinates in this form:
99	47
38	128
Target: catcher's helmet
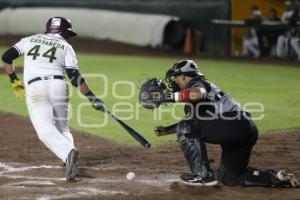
60	25
187	67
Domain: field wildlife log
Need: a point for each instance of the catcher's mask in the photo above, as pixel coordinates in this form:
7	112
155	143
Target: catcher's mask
186	67
60	25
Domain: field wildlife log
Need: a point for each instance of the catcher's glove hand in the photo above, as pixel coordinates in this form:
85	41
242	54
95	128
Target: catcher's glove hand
18	88
153	93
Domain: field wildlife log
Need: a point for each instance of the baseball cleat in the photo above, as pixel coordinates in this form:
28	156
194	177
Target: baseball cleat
71	165
288	179
196	180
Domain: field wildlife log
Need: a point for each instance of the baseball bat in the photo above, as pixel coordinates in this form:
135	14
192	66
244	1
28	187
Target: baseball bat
138	137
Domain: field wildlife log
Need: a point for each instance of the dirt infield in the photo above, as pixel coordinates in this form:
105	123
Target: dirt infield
29	171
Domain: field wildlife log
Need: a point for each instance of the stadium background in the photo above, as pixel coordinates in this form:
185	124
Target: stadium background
198	18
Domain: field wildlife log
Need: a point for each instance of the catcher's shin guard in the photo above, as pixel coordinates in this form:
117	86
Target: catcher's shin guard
193	149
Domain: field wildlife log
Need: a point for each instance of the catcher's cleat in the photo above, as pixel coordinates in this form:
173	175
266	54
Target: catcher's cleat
287	179
71	165
196	180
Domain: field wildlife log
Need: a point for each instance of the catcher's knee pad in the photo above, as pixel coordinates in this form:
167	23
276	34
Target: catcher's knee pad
183	130
227	176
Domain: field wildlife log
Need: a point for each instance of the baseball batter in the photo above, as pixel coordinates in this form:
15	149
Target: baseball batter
212	116
47	58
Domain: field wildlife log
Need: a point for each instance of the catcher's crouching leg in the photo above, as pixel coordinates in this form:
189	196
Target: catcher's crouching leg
195	153
252	177
235	158
227	177
268	178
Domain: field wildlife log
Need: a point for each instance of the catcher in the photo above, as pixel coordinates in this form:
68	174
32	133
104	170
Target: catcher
212	116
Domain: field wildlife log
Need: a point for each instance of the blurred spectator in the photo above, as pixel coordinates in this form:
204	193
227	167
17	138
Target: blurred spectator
269	38
298	20
287	14
288	43
273	15
294	24
250	41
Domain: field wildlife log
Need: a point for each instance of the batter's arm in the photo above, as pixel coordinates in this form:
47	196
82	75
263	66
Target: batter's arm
84	88
7	58
9	68
78	81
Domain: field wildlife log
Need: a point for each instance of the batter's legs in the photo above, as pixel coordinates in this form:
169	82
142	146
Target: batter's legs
61	115
41	115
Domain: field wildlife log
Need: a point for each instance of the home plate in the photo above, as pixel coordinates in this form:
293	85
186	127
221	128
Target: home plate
32	183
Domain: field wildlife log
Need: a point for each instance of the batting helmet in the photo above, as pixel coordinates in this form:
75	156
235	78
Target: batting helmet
60	25
186	67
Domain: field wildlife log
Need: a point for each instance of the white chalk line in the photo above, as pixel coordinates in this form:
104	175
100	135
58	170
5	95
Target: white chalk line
14	167
32	177
60	192
78	193
160	181
85	191
6	169
33	182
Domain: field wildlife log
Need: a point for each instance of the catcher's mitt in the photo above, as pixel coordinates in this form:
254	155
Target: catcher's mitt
151	93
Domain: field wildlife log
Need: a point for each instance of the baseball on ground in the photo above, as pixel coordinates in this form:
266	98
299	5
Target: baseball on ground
130	176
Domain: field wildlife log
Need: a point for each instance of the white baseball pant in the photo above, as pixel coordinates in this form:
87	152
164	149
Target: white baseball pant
250	45
282	46
48	106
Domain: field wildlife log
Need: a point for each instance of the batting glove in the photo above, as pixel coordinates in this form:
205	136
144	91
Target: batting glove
18	88
97	104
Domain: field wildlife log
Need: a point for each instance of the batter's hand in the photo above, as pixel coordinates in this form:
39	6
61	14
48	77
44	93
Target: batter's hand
161	131
98	104
18	88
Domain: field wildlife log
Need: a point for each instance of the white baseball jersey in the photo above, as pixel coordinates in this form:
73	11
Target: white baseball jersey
45	55
286	16
47	99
